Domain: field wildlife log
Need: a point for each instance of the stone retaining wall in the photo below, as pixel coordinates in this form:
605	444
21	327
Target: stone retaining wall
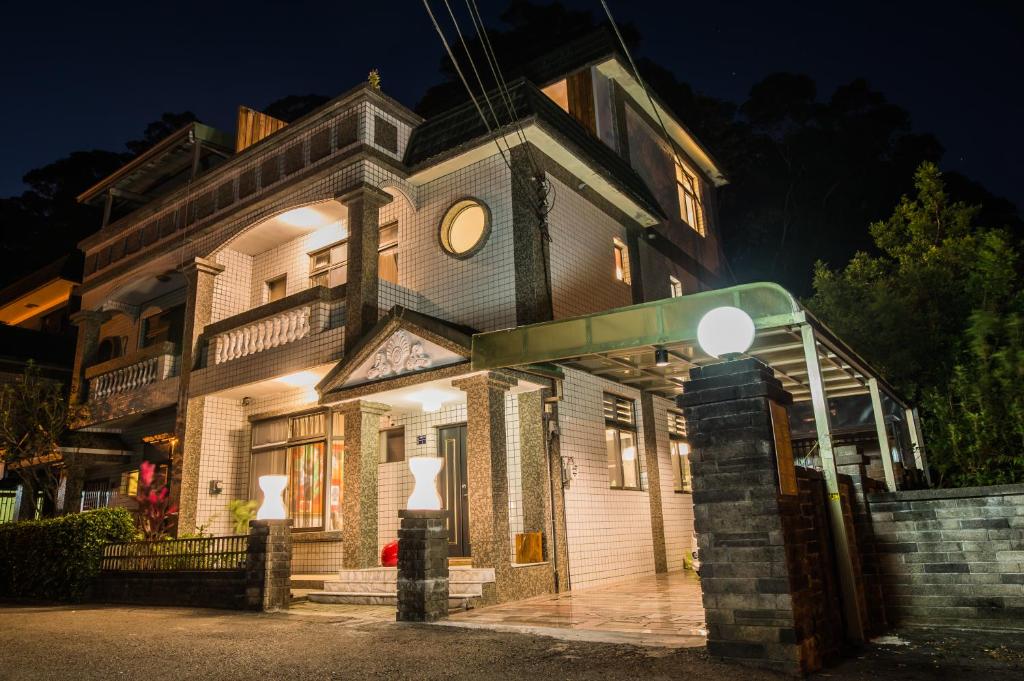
952	557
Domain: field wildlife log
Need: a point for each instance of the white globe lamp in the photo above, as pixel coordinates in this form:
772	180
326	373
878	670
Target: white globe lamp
272	507
725	331
424	495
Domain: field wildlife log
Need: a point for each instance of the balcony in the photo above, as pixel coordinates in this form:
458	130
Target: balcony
140	382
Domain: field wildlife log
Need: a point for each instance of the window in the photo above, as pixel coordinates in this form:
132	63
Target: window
387	258
392	444
276	288
296	446
165	326
109	348
675	287
679	450
329	266
621	261
690	208
465	227
621	443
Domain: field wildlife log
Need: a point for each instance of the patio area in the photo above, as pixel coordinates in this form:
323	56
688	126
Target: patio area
663	610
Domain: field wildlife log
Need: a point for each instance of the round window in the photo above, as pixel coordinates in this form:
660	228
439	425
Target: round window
465	227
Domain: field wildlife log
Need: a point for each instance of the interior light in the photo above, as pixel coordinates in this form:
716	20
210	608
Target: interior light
628	453
301	379
272	507
660	357
725	331
424	495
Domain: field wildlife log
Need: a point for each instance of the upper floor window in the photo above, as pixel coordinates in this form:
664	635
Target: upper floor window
621	254
162	327
387	259
689	187
277	288
465	228
675	287
679	450
329	266
621	442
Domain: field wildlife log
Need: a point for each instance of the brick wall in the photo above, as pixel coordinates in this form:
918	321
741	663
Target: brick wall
952	557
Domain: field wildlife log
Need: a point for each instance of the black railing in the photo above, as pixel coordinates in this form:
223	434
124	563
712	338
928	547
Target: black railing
204	553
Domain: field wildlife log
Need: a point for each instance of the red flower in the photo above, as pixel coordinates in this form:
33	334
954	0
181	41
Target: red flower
146	471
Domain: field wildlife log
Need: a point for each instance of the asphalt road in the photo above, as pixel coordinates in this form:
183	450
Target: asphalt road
104	642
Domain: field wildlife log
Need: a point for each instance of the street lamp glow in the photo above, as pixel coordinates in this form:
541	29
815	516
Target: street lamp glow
725	331
272	507
424	495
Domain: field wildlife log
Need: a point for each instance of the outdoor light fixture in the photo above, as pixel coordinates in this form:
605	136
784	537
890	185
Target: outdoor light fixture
430	399
272	507
725	331
660	357
302	217
301	379
424	495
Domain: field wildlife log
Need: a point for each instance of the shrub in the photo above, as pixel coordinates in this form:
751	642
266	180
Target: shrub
57	559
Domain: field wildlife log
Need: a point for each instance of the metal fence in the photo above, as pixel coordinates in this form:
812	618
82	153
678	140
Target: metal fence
203	553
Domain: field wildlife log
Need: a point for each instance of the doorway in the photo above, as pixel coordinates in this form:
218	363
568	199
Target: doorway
451	444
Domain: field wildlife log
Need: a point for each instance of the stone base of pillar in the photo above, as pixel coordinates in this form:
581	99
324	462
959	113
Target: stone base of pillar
269	565
422	566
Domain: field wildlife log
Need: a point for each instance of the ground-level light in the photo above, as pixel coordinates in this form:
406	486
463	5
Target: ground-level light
272	507
424	495
725	331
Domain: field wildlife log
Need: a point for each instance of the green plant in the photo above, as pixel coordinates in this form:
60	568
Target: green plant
242	511
57	559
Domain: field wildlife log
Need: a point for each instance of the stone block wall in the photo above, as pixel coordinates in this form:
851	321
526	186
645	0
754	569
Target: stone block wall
952	557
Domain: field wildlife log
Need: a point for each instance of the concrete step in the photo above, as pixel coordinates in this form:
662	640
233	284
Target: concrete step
461	589
370	598
456	575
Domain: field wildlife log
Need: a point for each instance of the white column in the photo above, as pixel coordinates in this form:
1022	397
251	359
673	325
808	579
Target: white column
883	435
823	424
917	439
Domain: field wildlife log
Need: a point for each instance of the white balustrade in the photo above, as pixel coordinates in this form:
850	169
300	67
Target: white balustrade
270	332
133	376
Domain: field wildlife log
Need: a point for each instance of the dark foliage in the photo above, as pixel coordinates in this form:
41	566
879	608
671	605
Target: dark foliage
57	559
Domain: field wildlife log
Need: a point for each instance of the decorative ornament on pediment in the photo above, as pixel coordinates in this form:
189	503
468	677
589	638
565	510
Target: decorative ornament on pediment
398	356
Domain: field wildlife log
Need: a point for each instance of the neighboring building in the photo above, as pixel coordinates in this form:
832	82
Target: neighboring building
304	303
35	326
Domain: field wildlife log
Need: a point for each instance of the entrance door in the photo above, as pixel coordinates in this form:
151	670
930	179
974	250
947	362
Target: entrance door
451	444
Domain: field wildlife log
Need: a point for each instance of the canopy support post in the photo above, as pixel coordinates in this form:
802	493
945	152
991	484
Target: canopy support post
883	436
917	439
822	422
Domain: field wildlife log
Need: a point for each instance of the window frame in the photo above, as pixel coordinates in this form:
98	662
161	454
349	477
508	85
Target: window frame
675	287
385	435
268	287
615	423
325	270
682	474
621	265
693	192
448	221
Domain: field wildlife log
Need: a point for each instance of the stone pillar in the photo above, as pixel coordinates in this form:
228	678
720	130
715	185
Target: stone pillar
422	566
533	461
654	481
361	310
188	425
736	498
530	244
268	565
359	497
86	345
487	474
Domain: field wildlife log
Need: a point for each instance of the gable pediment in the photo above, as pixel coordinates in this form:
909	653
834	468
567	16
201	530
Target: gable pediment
402	353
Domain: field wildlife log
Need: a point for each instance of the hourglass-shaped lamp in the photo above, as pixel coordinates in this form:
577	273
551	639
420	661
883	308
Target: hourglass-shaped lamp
273	501
424	495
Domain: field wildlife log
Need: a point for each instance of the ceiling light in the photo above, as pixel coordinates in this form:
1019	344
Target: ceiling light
660	357
725	331
430	399
302	217
301	379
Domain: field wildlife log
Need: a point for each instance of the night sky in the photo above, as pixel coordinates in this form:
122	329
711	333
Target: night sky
91	75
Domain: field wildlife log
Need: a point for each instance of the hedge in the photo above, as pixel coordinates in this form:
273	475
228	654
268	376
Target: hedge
57	559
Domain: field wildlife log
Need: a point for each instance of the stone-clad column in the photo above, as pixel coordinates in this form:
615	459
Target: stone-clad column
487	473
745	578
188	426
422	566
359	496
654	481
86	346
533	462
268	568
532	255
361	312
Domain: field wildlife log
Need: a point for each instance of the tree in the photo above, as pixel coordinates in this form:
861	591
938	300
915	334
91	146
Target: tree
938	311
34	416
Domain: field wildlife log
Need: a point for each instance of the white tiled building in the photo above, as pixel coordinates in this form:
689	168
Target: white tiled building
303	303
